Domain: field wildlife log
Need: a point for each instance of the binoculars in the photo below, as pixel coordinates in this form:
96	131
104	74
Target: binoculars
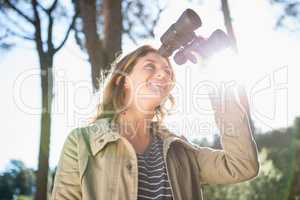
180	36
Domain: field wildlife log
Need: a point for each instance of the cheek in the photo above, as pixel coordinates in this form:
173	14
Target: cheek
171	85
137	82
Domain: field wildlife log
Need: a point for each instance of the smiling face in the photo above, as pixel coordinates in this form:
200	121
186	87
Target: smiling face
149	83
141	82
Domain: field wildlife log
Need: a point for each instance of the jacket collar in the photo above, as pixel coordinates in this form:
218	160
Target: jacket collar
101	132
104	131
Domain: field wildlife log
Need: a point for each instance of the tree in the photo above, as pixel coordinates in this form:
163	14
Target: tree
279	175
33	21
16	180
6	186
290	16
263	187
294	183
228	24
101	25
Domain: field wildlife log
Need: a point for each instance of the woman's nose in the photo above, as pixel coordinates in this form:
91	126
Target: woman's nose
161	74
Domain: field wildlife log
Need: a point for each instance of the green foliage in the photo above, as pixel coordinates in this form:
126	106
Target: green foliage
22	197
264	187
6	186
290	15
279	177
16	180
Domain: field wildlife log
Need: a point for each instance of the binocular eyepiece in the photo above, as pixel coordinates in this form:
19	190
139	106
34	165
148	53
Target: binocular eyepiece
180	35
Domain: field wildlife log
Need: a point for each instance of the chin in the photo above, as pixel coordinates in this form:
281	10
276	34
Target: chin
149	105
150	100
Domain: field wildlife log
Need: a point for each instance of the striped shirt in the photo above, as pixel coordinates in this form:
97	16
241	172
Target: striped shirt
153	181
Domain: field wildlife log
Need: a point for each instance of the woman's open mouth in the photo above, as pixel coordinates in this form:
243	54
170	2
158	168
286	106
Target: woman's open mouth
157	87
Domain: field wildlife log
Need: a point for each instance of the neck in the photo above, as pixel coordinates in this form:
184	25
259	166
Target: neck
134	124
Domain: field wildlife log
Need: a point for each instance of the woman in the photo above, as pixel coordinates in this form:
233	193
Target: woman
126	154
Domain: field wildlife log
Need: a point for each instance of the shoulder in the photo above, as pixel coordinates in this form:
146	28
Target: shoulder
98	127
82	138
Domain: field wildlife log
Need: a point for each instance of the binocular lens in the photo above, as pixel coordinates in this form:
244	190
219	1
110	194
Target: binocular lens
180	33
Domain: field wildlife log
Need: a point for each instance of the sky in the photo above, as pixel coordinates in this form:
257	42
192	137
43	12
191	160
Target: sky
267	65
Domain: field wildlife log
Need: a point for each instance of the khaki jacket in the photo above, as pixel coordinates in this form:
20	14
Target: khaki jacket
98	164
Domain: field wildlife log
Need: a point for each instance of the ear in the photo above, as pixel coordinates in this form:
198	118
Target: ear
118	80
126	85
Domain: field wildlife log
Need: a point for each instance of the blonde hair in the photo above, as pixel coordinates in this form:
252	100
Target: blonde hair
113	94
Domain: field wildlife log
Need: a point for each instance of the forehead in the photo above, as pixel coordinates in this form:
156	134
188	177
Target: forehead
155	58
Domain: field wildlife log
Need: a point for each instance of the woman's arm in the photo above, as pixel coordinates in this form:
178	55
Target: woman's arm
238	161
67	181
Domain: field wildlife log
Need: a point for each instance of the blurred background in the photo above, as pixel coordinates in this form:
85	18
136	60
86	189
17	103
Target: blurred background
54	52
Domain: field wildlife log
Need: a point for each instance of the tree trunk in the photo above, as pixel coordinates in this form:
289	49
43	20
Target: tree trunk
233	41
93	44
101	51
113	27
294	184
43	164
228	24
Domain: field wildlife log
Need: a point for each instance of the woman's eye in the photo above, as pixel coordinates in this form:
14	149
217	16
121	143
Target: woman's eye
168	72
150	67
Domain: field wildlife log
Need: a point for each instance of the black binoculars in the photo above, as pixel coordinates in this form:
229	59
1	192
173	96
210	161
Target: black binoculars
180	35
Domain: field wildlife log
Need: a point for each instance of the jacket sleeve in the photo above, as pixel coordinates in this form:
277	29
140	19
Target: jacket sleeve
238	159
67	181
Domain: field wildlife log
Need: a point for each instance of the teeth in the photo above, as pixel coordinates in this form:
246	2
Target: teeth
156	87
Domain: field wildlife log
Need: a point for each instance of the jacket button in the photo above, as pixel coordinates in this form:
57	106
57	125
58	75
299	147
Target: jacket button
129	166
101	140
